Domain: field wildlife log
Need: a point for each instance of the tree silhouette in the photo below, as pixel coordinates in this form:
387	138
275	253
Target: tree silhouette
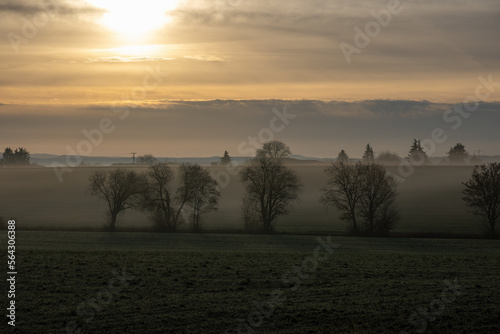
7	157
362	190
147	159
344	190
274	149
417	154
342	157
458	154
199	190
157	199
250	213
388	158
226	159
270	186
368	156
378	193
119	188
22	156
482	193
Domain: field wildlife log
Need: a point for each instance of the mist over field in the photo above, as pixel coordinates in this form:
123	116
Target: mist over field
430	201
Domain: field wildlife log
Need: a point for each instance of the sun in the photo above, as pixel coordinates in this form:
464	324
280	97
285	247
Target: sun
133	19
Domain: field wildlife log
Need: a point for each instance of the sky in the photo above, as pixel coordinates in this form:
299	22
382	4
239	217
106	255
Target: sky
194	77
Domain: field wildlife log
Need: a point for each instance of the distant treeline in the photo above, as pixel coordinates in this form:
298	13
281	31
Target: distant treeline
19	157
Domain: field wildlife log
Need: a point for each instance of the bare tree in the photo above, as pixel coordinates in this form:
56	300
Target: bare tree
376	203
389	217
271	186
482	193
199	190
249	211
147	159
362	190
388	158
274	149
344	189
119	188
157	198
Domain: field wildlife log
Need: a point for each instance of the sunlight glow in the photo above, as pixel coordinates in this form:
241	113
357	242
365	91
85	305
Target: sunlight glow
134	19
138	50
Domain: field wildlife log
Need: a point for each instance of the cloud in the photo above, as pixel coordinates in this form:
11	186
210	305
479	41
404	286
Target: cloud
208	58
53	7
203	128
123	59
368	109
424	34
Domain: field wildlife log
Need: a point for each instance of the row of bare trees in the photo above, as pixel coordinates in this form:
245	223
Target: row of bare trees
151	192
363	192
366	190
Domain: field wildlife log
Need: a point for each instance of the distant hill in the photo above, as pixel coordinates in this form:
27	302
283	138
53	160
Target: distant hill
301	157
48	159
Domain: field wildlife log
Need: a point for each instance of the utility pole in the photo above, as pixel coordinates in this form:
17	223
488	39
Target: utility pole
133	157
479	152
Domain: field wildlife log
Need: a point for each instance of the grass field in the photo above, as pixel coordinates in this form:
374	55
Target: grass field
204	283
430	201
